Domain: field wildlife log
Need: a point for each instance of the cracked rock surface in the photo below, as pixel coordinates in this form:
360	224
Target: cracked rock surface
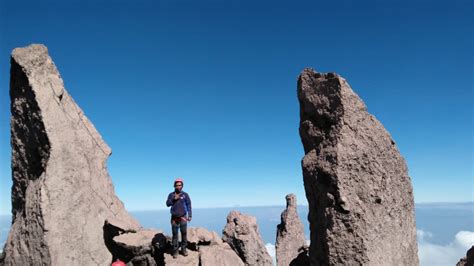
62	193
361	208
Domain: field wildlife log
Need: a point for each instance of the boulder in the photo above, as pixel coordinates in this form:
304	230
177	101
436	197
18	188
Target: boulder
242	234
139	242
200	236
145	247
361	208
290	240
221	255
62	193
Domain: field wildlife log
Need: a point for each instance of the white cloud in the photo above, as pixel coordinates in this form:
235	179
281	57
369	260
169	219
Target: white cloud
429	253
465	239
433	254
271	250
423	235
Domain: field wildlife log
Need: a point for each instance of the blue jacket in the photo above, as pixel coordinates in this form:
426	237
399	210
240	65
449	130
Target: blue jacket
180	207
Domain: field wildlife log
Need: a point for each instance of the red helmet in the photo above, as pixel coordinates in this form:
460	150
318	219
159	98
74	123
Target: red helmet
118	263
179	179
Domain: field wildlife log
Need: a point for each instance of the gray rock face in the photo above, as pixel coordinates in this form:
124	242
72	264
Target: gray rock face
361	208
468	260
62	193
241	233
290	239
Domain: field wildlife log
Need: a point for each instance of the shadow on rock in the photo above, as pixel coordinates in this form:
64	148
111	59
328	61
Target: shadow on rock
301	260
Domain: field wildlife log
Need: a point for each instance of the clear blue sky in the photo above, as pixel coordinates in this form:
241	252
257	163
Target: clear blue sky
206	90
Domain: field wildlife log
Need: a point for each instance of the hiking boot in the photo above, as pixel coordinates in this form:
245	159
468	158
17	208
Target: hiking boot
175	254
185	252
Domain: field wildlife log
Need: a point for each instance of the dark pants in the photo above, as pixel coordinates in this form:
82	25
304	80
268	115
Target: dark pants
182	224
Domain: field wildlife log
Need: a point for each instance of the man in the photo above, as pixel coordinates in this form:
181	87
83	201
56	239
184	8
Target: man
181	213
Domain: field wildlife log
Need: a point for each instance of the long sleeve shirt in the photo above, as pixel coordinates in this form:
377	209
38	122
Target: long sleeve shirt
180	207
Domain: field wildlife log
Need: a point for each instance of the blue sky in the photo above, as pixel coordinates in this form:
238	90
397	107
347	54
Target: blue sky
206	90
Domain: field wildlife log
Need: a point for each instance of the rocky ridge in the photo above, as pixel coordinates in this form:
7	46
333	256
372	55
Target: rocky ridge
152	247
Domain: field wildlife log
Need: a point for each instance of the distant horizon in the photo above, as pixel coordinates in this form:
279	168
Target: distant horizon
282	206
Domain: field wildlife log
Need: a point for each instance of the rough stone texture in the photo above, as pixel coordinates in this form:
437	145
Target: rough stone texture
290	239
61	193
221	255
468	260
192	259
241	233
200	236
145	247
361	208
137	242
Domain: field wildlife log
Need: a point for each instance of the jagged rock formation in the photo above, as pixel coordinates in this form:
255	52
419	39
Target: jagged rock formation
290	240
361	208
62	193
468	260
241	233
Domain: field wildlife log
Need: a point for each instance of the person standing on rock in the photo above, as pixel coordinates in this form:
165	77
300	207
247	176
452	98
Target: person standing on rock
181	213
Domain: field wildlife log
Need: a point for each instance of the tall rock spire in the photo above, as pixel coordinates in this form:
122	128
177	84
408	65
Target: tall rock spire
62	193
290	240
361	207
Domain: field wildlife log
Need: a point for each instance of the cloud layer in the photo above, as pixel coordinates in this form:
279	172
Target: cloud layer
428	253
433	254
271	250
